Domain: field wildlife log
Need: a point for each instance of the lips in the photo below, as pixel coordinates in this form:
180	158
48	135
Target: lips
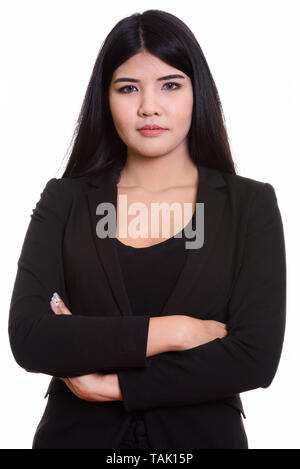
152	132
152	127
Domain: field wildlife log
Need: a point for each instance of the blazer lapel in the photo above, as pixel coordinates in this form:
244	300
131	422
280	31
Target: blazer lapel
196	259
105	190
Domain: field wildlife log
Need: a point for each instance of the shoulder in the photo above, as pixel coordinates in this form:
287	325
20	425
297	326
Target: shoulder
64	188
242	184
256	201
250	191
58	195
66	183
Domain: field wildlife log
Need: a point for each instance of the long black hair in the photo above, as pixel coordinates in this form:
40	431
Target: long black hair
97	145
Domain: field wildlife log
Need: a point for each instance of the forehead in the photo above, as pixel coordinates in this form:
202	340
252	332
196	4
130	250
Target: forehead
145	66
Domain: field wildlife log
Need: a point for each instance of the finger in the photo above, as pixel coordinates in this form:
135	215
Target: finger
57	306
63	308
60	305
54	308
69	383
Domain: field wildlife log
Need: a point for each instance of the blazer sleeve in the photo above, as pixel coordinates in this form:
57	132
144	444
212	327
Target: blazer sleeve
248	357
62	345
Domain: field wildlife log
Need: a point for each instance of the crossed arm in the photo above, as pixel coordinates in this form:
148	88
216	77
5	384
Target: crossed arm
166	333
56	344
106	387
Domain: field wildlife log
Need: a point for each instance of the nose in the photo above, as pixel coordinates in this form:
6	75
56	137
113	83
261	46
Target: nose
148	105
149	113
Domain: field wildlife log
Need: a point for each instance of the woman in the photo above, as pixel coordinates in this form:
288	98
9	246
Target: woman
150	338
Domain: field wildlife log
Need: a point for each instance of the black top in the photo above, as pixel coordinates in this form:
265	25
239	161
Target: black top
149	274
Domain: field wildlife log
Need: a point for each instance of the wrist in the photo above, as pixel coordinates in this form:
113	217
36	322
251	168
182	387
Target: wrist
178	329
112	386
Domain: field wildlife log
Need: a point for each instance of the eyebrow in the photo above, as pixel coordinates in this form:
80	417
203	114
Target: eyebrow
134	80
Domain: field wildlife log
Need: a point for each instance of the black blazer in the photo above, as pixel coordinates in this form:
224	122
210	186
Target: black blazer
190	399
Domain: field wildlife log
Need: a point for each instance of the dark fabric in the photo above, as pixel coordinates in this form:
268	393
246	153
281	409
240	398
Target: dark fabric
136	435
149	275
190	398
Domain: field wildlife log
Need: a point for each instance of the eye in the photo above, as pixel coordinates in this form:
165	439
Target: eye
171	83
122	90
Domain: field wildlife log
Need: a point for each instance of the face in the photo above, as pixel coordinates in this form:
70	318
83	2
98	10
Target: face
148	98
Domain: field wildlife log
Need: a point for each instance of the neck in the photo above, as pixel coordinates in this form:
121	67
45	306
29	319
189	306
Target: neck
158	173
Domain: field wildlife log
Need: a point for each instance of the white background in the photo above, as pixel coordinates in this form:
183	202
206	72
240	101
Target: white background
48	49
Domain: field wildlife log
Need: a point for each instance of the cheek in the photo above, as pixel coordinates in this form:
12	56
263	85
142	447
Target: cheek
181	110
114	108
122	114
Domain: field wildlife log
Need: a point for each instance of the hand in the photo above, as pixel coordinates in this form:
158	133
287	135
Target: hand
94	387
91	387
199	331
58	306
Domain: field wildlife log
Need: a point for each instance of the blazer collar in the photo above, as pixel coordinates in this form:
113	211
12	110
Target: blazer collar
104	189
